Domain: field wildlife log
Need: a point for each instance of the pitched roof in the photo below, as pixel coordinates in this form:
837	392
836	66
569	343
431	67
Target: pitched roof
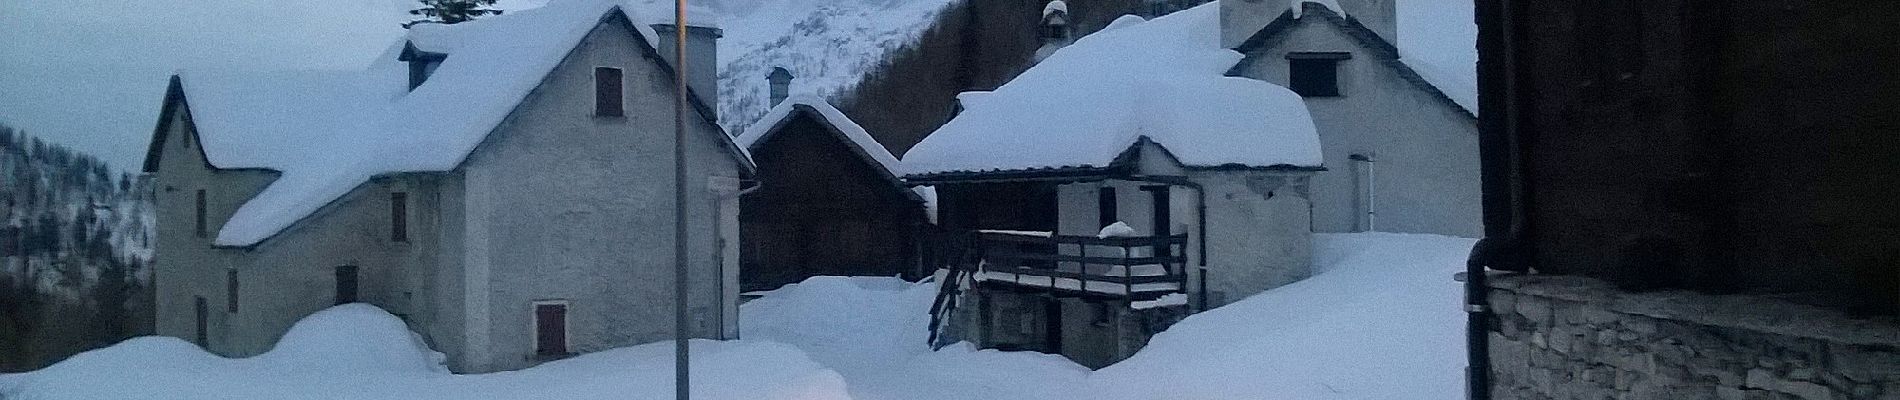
1160	80
1367	38
847	131
329	132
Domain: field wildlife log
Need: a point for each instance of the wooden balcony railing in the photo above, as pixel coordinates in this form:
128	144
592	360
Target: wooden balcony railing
1134	267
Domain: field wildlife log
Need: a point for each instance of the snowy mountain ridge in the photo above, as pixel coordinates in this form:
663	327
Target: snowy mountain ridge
829	46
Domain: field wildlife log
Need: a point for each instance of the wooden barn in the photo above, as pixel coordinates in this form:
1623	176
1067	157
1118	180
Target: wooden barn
828	202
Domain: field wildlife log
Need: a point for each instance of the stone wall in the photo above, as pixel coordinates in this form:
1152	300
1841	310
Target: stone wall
1564	337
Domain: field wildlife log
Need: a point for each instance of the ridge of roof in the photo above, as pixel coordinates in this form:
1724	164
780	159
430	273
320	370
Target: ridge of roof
406	122
861	143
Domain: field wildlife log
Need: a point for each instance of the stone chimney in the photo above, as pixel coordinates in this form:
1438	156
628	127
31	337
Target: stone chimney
781	81
1240	19
702	58
1382	16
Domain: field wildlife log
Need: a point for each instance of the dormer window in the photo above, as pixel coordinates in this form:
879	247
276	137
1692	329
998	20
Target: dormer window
421	64
419	70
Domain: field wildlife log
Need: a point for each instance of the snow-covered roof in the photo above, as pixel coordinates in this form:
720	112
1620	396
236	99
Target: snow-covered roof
328	132
1163	80
855	136
859	140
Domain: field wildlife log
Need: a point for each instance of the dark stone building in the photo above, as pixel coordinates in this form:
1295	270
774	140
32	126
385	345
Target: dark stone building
827	203
1701	193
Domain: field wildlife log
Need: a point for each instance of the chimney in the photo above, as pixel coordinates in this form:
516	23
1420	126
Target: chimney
781	81
702	58
1381	16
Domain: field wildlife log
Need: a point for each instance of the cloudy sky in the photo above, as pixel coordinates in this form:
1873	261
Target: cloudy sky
91	73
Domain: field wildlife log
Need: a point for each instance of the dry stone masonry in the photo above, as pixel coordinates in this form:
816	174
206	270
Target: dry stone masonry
1562	337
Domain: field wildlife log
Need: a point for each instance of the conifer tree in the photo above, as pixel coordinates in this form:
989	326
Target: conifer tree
451	11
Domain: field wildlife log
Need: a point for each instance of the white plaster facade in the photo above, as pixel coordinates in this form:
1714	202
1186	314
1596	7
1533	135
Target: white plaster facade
1258	233
1422	173
556	204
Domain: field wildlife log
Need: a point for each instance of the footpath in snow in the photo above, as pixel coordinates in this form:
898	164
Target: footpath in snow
1380	320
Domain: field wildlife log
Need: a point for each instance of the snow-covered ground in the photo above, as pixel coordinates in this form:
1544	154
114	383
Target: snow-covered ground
1380	321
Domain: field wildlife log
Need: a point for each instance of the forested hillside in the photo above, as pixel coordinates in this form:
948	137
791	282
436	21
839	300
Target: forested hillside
75	249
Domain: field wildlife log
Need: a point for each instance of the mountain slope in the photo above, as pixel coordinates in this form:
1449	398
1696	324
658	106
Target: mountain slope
829	46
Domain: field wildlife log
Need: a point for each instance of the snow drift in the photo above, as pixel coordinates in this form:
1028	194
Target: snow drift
357	351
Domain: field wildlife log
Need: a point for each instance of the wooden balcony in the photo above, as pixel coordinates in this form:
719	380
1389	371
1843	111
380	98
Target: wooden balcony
1133	268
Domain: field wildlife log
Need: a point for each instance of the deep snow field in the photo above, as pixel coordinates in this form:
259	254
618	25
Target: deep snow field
1379	320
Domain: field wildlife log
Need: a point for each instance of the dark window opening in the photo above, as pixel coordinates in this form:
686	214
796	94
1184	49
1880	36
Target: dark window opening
550	329
203	313
1314	74
230	291
1100	314
346	284
1163	223
1057	31
607	92
1105	211
399	216
199	227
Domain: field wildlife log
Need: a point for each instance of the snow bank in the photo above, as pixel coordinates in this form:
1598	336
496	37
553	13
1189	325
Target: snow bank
1162	79
352	343
873	331
1380	320
360	352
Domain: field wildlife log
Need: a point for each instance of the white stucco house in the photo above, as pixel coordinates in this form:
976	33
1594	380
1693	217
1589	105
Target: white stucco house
504	185
1121	183
1402	152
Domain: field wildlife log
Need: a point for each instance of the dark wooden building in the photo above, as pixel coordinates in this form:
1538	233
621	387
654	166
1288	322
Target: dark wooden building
1719	175
827	203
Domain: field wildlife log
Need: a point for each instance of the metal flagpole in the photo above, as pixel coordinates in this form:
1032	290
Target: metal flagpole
681	387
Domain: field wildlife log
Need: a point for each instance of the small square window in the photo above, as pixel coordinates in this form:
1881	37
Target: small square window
607	94
1314	74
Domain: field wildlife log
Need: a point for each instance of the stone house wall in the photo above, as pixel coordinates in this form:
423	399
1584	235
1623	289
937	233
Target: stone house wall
1565	337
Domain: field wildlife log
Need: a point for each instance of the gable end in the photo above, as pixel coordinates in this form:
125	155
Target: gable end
1386	53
